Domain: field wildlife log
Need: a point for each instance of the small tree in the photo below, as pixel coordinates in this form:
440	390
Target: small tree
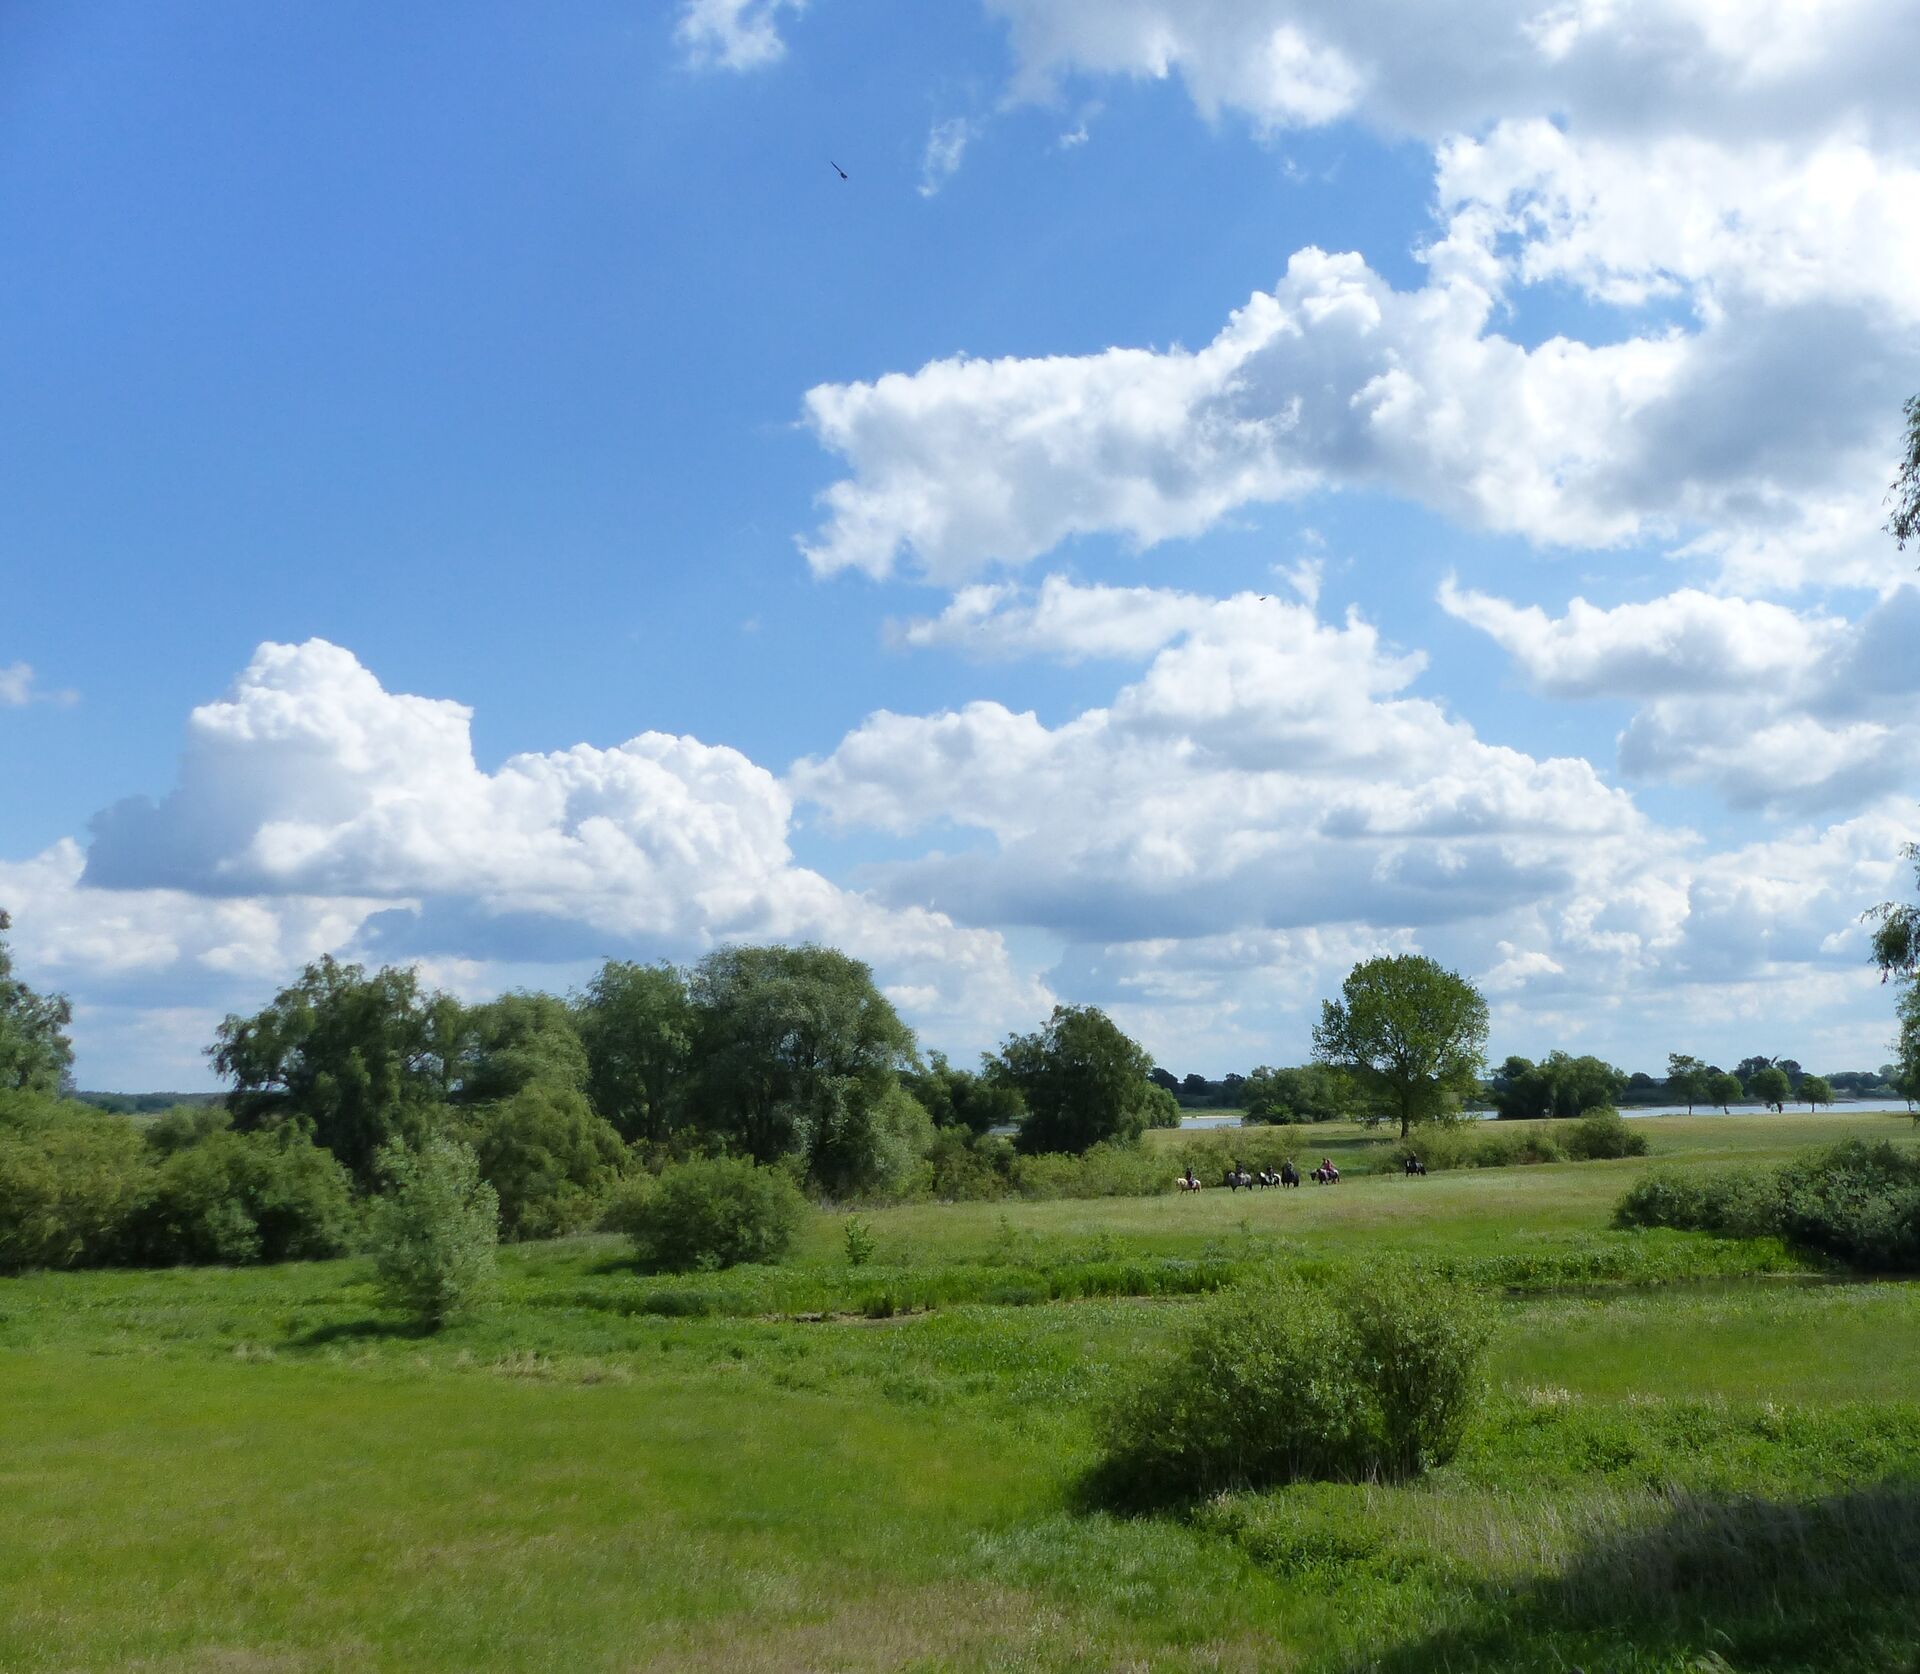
1816	1090
1415	1030
1722	1088
435	1230
1686	1079
1771	1087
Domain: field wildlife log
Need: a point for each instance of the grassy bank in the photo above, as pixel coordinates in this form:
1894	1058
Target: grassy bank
255	1469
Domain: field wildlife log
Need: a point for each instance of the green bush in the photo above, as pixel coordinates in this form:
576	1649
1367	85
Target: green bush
1278	1381
1480	1145
550	1159
713	1212
69	1184
435	1230
1209	1154
963	1168
235	1198
1857	1202
1601	1134
1115	1168
1735	1202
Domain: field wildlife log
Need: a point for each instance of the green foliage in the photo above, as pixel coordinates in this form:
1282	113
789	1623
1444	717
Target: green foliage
1722	1088
69	1181
1413	1031
1771	1087
360	1057
860	1242
1855	1202
1904	524
957	1098
1163	1109
35	1053
1278	1381
550	1159
1687	1079
1858	1203
1814	1091
515	1042
714	1212
1739	1202
1560	1085
1906	1068
1084	1080
964	1167
1310	1093
1115	1168
185	1125
234	1198
868	1141
798	1055
434	1230
1479	1145
1601	1134
636	1023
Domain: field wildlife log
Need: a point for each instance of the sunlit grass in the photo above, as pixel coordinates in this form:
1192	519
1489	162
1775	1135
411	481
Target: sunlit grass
257	1469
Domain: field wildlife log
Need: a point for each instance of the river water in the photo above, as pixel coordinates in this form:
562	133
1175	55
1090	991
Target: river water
1846	1107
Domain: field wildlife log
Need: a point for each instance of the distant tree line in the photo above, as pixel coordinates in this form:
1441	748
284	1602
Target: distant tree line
783	1058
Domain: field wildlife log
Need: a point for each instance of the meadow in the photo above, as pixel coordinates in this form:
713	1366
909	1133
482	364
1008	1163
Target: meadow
1696	1452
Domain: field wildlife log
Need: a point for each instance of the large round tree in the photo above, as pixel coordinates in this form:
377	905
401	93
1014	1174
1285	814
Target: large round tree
1411	1030
1084	1080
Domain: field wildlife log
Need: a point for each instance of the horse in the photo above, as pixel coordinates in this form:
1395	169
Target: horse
1265	1178
1289	1175
1326	1175
1415	1165
1235	1178
1185	1183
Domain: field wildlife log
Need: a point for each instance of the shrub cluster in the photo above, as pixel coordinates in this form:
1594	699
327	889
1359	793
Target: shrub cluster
1599	1133
710	1213
82	1189
1856	1202
1602	1134
1112	1169
1372	1378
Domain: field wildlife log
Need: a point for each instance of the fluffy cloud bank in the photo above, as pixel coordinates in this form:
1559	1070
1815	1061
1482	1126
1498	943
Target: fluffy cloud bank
316	811
1758	167
1791	711
1268	800
1335	378
1775	67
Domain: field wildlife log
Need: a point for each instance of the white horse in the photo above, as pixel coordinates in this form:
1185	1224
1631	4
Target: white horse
1182	1183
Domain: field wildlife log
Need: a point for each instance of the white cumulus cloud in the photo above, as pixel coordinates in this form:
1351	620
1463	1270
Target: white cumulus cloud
317	811
734	34
1769	707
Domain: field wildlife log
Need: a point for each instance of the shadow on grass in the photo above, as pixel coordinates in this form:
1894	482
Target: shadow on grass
1715	1583
362	1330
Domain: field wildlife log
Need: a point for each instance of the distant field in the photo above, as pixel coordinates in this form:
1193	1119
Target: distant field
254	1470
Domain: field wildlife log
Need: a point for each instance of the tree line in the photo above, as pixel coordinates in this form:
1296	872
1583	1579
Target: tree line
781	1057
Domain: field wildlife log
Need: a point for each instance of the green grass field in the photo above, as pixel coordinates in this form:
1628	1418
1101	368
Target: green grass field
1693	1450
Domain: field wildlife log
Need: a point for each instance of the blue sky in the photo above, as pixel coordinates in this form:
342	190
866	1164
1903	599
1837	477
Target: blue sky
448	396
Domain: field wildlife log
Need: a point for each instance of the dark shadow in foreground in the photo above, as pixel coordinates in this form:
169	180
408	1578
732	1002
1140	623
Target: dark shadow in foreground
1748	1584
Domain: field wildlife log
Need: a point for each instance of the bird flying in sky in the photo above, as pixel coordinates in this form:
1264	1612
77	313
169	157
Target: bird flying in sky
837	169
